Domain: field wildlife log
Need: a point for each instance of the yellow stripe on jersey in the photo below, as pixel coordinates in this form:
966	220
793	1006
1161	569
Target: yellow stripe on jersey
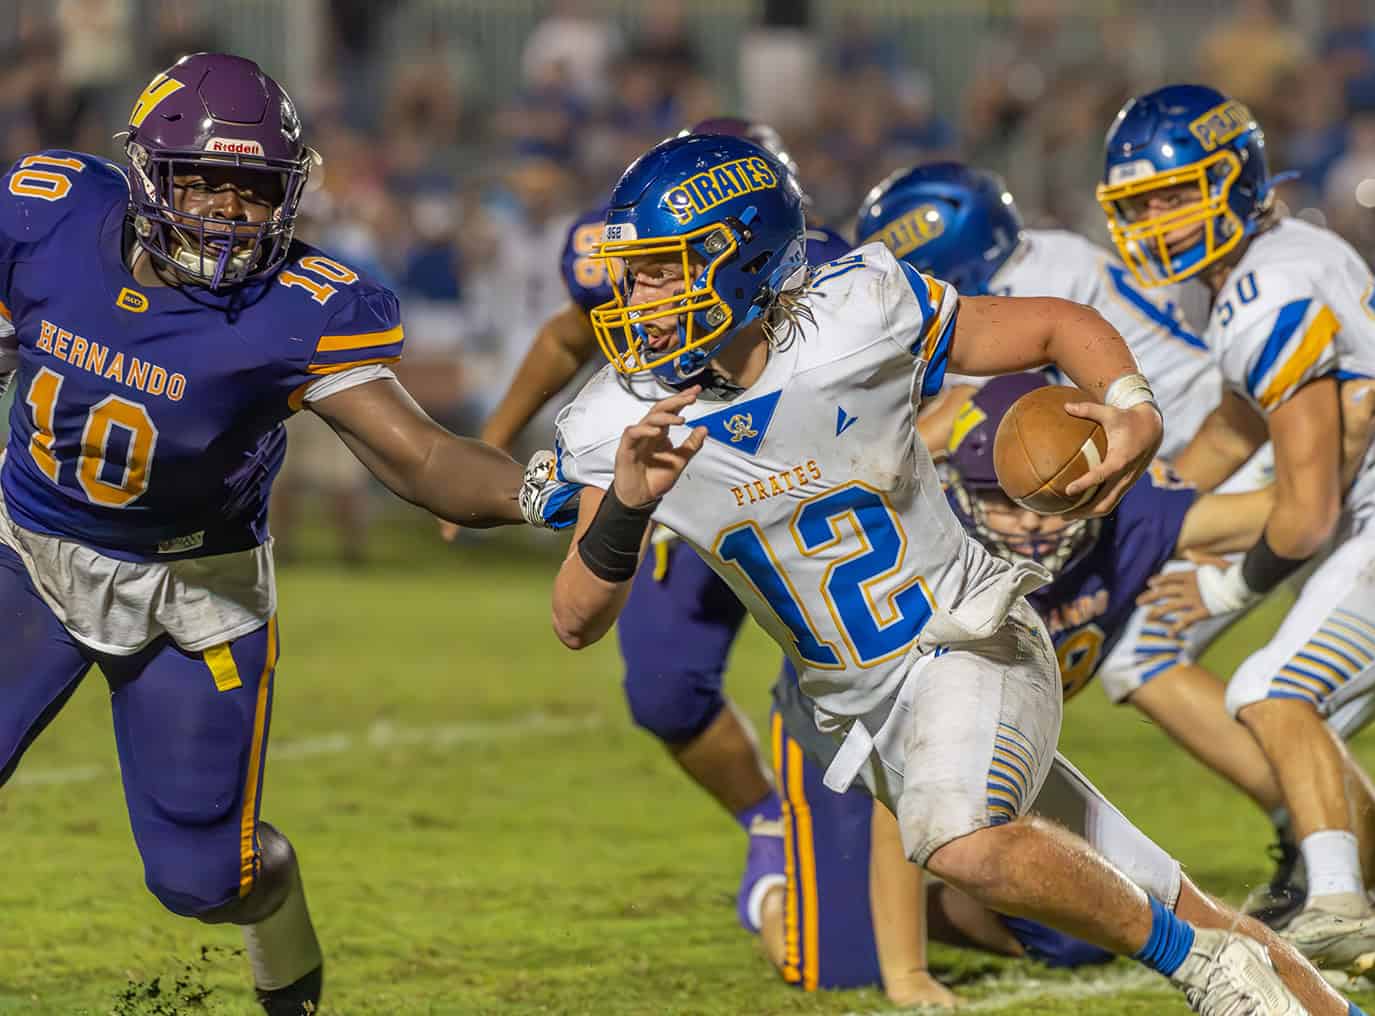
4	311
335	368
936	292
339	343
811	920
1316	339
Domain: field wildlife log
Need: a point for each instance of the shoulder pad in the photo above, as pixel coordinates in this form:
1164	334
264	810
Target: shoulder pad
825	245
359	321
585	278
46	188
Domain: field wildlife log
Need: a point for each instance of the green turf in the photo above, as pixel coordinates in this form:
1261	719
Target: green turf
483	832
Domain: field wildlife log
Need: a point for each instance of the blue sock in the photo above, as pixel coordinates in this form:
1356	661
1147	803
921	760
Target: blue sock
1354	1010
1170	941
767	808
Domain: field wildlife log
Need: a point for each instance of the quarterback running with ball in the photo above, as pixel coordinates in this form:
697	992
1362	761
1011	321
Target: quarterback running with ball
764	412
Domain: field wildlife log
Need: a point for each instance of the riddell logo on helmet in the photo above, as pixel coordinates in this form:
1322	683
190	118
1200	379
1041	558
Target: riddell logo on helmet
234	146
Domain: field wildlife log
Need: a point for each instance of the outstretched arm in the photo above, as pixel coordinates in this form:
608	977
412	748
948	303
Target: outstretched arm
456	478
562	345
998	335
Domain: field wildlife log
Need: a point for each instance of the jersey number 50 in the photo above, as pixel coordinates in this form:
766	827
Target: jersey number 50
862	537
93	468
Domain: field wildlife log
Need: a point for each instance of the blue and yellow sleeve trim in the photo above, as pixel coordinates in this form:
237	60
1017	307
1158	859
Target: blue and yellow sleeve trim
1284	363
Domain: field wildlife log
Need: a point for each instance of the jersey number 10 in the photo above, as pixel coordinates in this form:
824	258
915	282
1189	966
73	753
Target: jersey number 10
91	472
875	627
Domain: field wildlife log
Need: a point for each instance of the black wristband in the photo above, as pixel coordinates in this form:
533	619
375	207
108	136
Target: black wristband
1263	569
611	546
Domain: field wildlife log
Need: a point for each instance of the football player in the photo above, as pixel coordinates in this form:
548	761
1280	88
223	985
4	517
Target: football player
961	224
159	323
787	456
849	915
681	619
1187	194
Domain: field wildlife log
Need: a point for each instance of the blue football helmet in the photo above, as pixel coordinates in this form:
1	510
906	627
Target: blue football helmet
1183	135
733	214
944	219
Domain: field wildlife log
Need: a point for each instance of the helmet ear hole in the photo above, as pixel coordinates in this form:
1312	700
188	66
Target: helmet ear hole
755	265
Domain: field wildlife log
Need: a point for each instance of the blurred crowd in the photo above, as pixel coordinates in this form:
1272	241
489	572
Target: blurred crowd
459	195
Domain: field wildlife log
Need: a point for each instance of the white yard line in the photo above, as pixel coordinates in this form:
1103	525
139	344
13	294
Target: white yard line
379	736
1014	990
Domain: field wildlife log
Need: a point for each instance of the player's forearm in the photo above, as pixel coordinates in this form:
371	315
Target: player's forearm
1223	523
1230	435
585	606
1305	431
1088	350
897	902
558	352
467	481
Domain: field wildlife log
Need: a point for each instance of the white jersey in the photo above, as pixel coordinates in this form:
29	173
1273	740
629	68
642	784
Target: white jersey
1161	326
1300	304
812	497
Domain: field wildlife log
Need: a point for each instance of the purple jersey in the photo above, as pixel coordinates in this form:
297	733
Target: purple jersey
583	275
1087	606
147	420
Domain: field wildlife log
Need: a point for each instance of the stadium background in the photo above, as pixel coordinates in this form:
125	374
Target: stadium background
482	829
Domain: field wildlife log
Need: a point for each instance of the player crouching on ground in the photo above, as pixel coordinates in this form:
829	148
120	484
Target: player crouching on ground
798	476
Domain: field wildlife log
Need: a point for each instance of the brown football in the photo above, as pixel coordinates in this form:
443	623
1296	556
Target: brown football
1040	449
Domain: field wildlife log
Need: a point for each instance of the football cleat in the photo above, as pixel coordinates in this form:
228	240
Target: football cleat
764	869
1276	903
1332	942
1231	975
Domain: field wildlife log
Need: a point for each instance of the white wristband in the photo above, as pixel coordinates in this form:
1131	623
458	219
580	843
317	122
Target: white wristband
1129	390
1224	590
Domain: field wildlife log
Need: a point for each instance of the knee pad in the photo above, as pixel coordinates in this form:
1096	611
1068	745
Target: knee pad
674	705
277	873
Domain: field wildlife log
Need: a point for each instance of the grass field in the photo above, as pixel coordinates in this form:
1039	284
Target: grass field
482	831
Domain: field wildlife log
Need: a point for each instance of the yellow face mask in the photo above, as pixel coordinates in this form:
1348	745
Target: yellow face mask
1141	242
615	322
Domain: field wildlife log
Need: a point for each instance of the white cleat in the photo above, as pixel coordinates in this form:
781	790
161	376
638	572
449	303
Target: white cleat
1231	975
1332	942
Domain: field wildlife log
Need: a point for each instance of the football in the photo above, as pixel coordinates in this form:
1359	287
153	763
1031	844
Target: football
1040	449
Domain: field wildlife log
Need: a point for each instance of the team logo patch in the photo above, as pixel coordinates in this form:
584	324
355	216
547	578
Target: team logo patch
132	301
234	146
1221	124
703	191
908	232
741	427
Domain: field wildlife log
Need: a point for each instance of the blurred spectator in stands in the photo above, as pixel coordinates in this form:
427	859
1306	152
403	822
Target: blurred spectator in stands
1348	44
178	29
1307	131
1249	54
1011	73
1349	190
581	45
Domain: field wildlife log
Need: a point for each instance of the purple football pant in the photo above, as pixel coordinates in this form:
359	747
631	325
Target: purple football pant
190	728
675	632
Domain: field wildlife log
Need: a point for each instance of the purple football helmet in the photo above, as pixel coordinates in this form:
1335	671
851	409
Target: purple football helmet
213	111
971	476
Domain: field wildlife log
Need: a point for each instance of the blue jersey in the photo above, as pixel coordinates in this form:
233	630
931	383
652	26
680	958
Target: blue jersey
147	420
1087	606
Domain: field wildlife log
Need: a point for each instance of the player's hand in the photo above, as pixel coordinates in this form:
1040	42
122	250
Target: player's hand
1175	599
648	464
1133	438
919	988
